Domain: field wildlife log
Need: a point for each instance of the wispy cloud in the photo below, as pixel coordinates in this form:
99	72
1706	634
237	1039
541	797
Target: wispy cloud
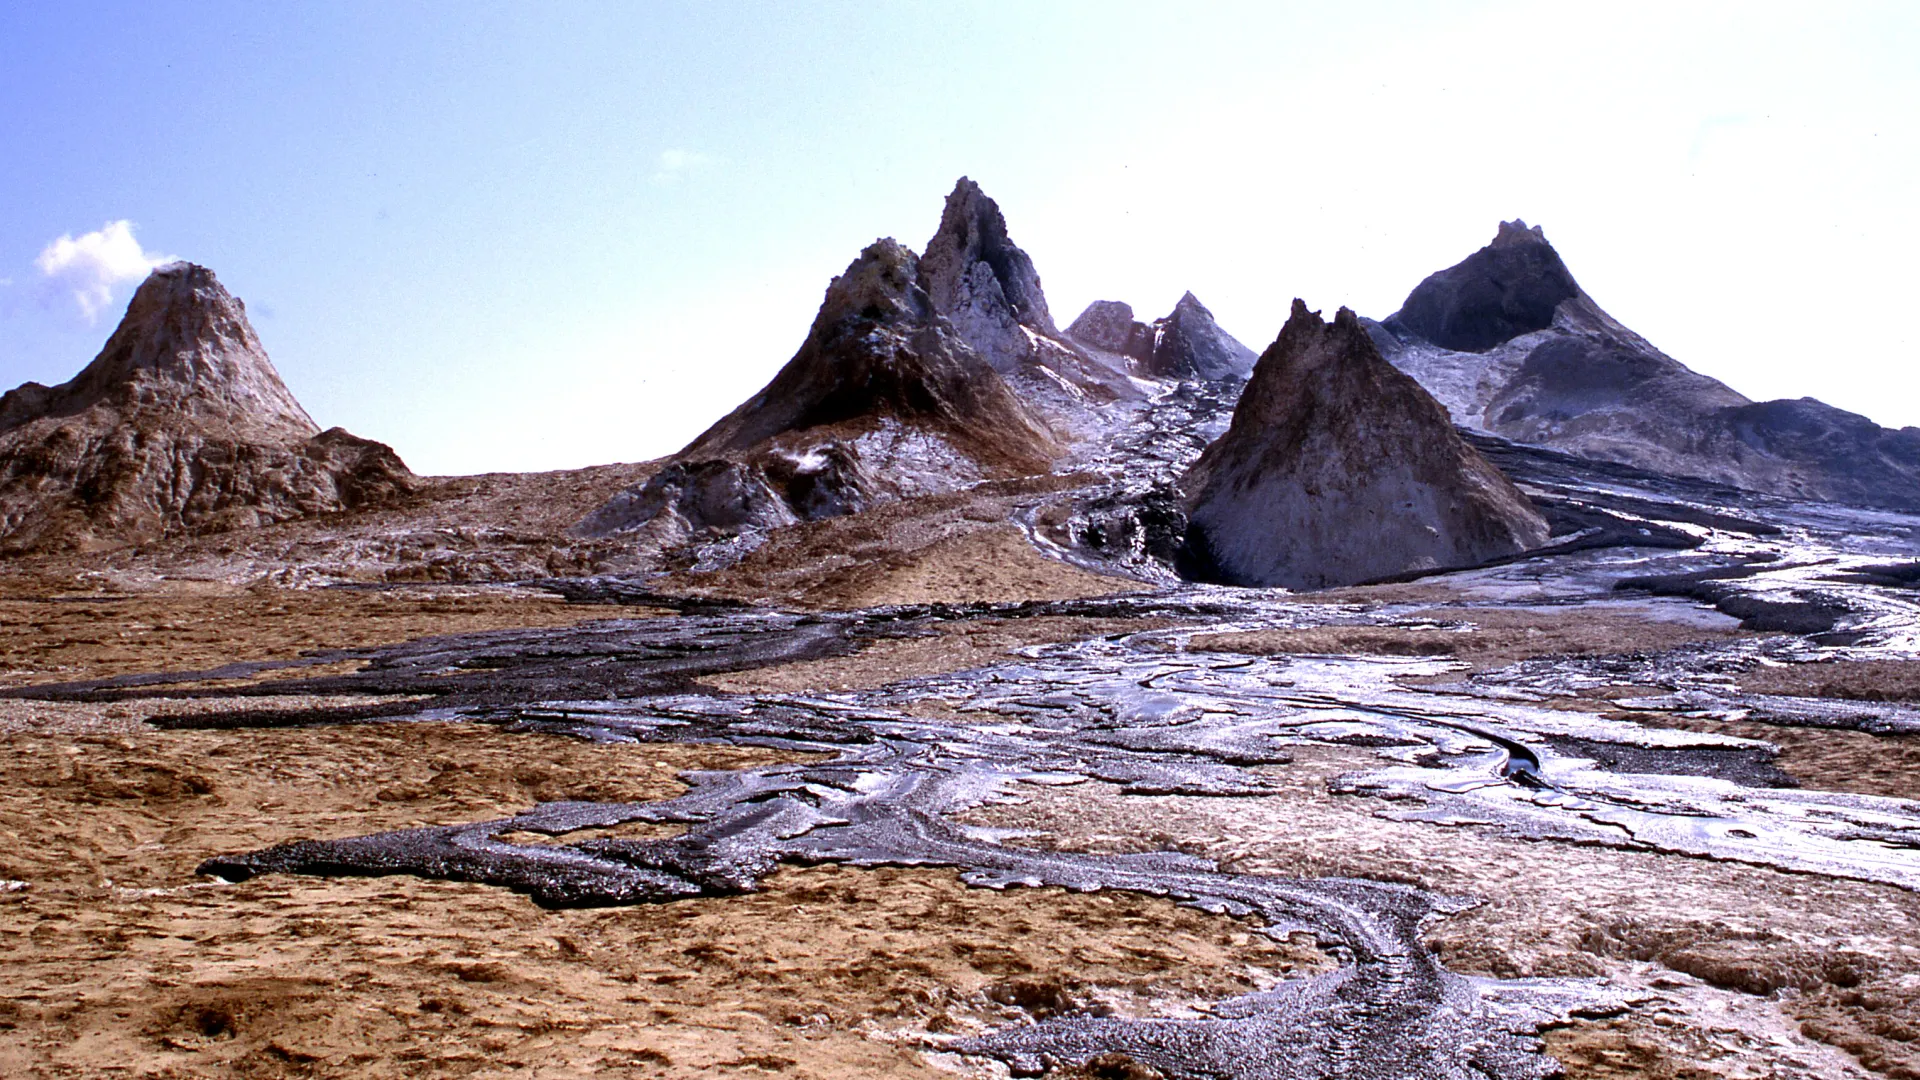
92	264
673	164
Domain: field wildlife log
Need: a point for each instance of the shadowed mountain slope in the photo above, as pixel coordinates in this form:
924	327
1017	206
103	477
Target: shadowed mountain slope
1509	342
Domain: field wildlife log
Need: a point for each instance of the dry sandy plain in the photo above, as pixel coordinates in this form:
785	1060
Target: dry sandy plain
116	960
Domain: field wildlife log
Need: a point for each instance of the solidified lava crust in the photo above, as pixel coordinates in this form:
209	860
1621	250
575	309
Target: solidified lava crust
1152	714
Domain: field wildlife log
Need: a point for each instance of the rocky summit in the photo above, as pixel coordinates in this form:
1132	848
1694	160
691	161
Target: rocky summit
982	282
1337	468
1186	344
1109	326
884	398
1513	347
181	425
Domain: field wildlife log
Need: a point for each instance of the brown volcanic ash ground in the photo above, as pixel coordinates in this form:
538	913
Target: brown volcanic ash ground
115	959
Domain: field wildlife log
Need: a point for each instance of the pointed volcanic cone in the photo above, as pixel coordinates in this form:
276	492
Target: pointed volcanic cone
181	425
1338	469
987	287
878	349
884	399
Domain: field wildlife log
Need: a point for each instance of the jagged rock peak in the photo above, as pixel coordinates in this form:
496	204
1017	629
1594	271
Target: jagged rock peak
877	348
185	341
883	399
1186	344
1508	288
1109	325
1516	232
1338	468
1191	345
982	281
883	284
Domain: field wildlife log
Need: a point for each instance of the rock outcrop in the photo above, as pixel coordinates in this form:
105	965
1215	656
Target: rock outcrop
985	285
1512	346
181	425
1109	326
1508	288
1186	344
885	398
1338	468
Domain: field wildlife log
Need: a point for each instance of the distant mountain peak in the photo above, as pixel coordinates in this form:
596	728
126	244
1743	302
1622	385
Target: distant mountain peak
179	426
1185	344
185	344
1513	347
1508	288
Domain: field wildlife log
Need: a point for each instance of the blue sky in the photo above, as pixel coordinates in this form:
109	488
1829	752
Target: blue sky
549	235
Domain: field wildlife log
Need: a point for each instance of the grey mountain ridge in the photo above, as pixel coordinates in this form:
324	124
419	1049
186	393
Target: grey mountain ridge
1186	344
1512	346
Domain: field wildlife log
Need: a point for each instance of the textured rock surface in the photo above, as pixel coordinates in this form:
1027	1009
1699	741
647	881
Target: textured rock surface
981	281
1505	289
884	398
1190	345
180	425
1109	325
1338	468
1513	347
1186	344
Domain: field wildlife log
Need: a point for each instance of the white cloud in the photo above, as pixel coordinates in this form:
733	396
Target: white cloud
672	164
92	264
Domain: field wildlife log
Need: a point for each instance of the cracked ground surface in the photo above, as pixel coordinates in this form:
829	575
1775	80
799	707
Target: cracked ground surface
1509	822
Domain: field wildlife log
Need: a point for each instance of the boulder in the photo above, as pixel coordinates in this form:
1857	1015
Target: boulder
1109	326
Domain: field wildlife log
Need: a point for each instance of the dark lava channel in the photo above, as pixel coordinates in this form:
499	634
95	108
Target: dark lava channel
1149	714
1132	710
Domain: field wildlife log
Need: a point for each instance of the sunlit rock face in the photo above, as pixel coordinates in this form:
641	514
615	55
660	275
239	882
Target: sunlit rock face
884	398
984	284
1513	347
1338	468
180	425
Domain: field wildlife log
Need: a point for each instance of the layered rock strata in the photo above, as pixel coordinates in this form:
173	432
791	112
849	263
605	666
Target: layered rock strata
1337	468
1513	347
181	425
